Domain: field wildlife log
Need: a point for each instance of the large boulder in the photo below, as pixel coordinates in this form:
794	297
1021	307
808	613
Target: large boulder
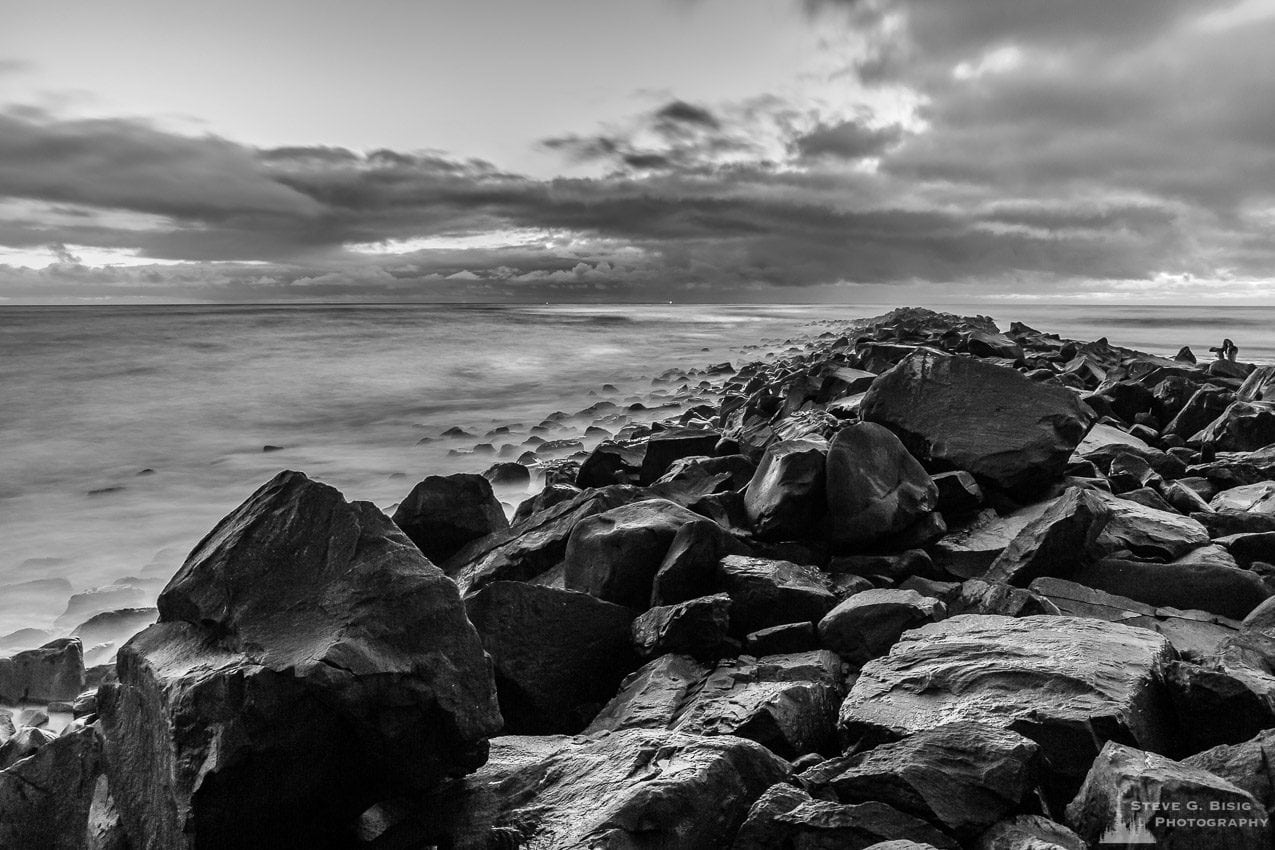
1259	385
1067	683
308	661
788	817
969	550
45	798
867	624
961	413
615	555
1219	589
767	593
788	703
689	568
665	447
875	488
52	673
1258	498
1131	797
633	789
961	776
1244	426
558	654
785	498
611	463
443	513
536	544
1246	765
1206	405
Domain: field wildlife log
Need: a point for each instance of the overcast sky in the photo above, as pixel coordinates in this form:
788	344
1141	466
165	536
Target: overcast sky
735	150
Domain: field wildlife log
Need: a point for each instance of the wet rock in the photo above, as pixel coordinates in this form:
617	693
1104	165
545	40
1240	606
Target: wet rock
786	498
787	703
789	817
960	413
874	487
1030	832
443	513
615	555
635	788
306	647
665	447
738	469
54	672
689	568
1066	683
768	593
961	777
696	627
1131	796
45	799
533	546
611	463
558	654
867	624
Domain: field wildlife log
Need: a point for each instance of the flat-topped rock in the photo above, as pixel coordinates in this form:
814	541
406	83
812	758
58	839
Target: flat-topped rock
52	673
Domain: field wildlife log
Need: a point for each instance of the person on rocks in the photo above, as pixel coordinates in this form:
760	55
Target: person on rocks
1226	351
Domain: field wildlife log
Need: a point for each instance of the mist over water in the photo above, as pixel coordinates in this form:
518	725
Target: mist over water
127	432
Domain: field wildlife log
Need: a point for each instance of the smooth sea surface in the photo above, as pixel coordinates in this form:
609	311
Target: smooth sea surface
127	432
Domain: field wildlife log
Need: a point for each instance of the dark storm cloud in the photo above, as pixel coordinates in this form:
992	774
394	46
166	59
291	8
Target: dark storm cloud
1053	143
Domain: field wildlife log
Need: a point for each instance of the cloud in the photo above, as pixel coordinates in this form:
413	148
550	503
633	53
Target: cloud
993	146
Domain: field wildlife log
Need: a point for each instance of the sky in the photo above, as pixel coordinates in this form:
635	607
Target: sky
884	151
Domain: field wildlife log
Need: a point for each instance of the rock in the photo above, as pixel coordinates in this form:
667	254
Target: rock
689	568
1214	707
615	555
99	600
786	497
1135	797
969	551
1206	405
696	627
1247	548
1104	436
115	626
1248	498
54	672
665	447
629	789
533	546
787	703
1226	591
611	463
443	513
1244	426
558	654
305	647
896	567
45	799
958	493
552	494
975	596
874	487
1259	385
768	593
508	474
1066	683
24	742
738	469
777	640
867	624
960	413
1030	832
962	777
1246	765
789	817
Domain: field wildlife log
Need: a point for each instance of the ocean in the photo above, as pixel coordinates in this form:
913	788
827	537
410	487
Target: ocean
126	432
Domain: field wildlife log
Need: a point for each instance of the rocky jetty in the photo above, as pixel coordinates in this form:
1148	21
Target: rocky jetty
912	582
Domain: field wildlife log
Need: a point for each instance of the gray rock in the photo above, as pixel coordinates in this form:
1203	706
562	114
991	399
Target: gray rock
768	593
695	627
558	654
52	673
1248	498
786	497
1246	765
1030	832
306	646
45	799
689	568
443	513
665	447
1243	427
875	489
867	624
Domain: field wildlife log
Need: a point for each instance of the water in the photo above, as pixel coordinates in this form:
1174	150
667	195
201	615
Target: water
127	432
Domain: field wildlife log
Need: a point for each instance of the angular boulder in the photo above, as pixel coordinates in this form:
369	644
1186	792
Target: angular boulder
961	413
1030	832
1067	683
1246	765
52	673
308	661
45	798
558	654
1135	797
444	512
1244	426
768	593
665	447
785	498
689	568
615	555
695	627
1256	498
874	487
867	624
